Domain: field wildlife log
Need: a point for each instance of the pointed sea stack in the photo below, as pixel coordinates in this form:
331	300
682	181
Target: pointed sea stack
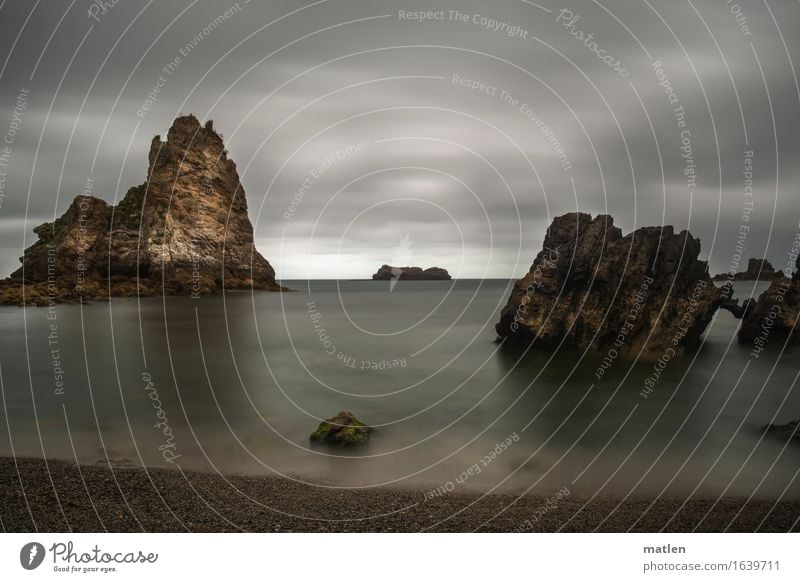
185	231
590	287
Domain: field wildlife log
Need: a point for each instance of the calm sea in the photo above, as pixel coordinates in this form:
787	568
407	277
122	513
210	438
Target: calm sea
236	384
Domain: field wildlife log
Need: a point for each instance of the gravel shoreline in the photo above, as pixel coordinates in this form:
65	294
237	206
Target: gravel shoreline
56	496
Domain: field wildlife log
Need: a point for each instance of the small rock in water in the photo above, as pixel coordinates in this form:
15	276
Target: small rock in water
786	431
344	430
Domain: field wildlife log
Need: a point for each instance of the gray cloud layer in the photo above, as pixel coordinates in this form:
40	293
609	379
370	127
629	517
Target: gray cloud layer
468	175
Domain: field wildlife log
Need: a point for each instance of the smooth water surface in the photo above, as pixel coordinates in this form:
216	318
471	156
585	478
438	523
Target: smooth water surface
238	383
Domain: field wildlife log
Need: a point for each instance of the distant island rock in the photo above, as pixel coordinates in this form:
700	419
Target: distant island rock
185	231
387	273
757	269
592	287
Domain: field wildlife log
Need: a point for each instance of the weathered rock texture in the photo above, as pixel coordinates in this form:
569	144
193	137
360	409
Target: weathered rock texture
773	319
186	230
343	430
757	269
387	272
590	287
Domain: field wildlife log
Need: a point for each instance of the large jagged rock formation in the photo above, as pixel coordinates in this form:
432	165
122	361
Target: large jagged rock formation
592	287
387	272
773	319
757	269
186	230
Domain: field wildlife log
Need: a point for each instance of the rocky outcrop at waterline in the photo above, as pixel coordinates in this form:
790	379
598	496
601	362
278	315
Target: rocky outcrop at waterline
185	231
757	270
387	273
773	319
787	431
593	288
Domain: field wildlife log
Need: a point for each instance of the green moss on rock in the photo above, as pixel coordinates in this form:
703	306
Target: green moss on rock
344	430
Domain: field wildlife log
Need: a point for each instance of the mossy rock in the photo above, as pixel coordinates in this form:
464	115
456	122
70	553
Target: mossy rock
343	430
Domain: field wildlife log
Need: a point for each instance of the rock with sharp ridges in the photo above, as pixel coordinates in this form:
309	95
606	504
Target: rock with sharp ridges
185	231
773	320
593	288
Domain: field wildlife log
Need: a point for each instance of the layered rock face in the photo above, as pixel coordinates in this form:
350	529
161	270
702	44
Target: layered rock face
184	231
774	317
387	272
757	269
590	287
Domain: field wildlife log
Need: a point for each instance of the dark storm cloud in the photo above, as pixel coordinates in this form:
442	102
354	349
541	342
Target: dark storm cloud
440	161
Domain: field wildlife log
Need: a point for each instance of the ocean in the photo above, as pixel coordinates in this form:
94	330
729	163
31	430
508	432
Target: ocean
236	383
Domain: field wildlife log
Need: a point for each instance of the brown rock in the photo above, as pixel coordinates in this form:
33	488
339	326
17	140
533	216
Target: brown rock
757	269
590	287
773	319
185	231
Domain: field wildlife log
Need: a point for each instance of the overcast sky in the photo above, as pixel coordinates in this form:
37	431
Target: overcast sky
466	175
